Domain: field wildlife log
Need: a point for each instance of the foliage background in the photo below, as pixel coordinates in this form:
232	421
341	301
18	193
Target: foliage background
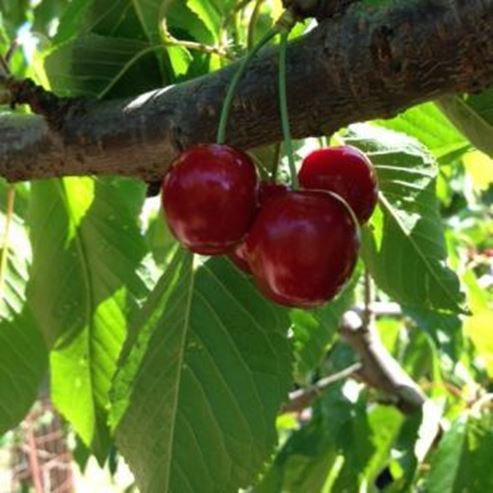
177	361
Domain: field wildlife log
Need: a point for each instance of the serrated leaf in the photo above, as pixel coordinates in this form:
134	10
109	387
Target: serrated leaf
110	48
208	13
91	64
23	353
404	248
24	362
84	285
13	269
427	123
462	462
473	116
199	388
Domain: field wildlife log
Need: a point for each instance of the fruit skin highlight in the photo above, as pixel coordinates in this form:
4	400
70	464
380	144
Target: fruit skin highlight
209	196
303	248
345	171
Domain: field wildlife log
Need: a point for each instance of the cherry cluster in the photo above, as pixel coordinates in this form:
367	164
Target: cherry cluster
300	246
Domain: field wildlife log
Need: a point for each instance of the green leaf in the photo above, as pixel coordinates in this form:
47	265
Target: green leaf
24	361
427	123
444	328
310	460
315	330
478	329
209	13
404	248
84	285
385	423
159	238
463	459
473	116
92	63
13	269
201	382
23	353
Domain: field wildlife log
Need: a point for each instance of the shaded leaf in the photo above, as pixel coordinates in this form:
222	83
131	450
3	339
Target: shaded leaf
315	330
202	381
23	365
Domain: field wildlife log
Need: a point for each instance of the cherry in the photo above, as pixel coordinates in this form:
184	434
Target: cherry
267	192
303	247
346	171
210	198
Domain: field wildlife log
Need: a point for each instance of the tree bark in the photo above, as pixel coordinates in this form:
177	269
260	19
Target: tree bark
365	63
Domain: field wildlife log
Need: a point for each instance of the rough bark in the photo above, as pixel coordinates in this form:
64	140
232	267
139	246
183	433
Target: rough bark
368	62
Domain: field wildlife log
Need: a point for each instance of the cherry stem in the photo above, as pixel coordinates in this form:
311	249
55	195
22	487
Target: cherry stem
228	100
286	132
275	162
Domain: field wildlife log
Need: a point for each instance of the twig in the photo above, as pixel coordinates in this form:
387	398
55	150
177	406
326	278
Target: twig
10	52
32	454
380	309
484	400
368	298
379	369
301	399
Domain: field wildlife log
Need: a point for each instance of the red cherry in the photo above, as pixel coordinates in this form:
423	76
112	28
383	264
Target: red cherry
303	247
346	171
238	257
210	198
267	191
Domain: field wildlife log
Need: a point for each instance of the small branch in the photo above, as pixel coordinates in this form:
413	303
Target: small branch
54	109
379	369
32	453
303	398
368	297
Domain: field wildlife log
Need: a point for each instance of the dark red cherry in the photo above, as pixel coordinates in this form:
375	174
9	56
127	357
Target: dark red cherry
238	257
346	171
210	198
303	247
267	191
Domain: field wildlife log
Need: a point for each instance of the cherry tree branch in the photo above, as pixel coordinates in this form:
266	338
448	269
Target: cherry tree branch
368	62
303	398
379	368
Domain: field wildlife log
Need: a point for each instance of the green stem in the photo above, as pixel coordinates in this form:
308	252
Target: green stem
275	164
288	144
228	100
253	23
